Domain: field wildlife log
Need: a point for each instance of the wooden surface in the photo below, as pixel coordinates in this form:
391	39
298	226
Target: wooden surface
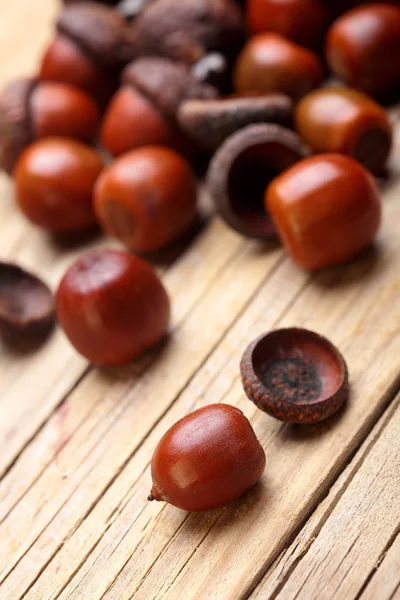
76	442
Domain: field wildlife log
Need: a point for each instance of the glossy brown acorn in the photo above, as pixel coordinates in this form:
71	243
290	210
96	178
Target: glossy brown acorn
143	111
112	306
363	48
207	459
147	198
346	121
271	63
30	110
326	209
295	375
241	170
303	21
54	182
92	44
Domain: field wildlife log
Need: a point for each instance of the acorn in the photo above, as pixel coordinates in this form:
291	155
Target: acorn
207	459
144	110
30	109
93	43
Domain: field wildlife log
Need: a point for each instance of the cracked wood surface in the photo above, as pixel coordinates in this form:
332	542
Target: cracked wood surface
76	442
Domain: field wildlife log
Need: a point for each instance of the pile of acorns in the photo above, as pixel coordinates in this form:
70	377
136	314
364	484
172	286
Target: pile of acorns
158	84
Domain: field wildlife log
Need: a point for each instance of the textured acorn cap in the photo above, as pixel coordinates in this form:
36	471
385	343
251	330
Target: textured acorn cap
186	30
295	375
241	170
26	303
210	122
165	83
15	122
100	31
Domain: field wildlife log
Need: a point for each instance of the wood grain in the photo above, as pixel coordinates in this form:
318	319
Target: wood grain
338	560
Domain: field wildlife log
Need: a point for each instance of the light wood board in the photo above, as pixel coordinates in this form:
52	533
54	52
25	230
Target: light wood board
76	442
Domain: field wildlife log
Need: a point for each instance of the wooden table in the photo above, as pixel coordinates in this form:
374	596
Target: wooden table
75	441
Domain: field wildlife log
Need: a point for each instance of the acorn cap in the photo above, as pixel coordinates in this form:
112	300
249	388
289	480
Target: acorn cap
165	83
15	121
242	169
186	30
100	31
26	303
295	375
210	122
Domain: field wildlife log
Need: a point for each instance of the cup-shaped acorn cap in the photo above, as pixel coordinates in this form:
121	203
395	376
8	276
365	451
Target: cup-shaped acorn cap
15	128
26	303
100	31
242	169
186	30
295	375
209	122
165	83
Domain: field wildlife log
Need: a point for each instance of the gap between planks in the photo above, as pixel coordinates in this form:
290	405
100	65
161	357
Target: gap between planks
275	582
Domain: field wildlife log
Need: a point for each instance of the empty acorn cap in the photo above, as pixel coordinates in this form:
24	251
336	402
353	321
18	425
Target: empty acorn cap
295	375
100	31
15	129
241	170
210	122
165	83
186	30
26	303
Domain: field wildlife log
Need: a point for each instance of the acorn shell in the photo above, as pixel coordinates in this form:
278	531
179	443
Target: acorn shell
210	122
26	303
242	169
207	459
15	121
295	375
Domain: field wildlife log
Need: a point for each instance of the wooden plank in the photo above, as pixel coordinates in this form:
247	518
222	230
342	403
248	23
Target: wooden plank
114	424
186	282
385	584
364	519
152	549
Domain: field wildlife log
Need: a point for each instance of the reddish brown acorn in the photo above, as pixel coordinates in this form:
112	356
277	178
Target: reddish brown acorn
54	183
144	110
147	198
30	109
363	48
346	121
207	459
326	208
112	306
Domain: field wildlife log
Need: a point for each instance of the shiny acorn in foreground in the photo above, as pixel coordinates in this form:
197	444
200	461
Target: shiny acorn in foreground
207	459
